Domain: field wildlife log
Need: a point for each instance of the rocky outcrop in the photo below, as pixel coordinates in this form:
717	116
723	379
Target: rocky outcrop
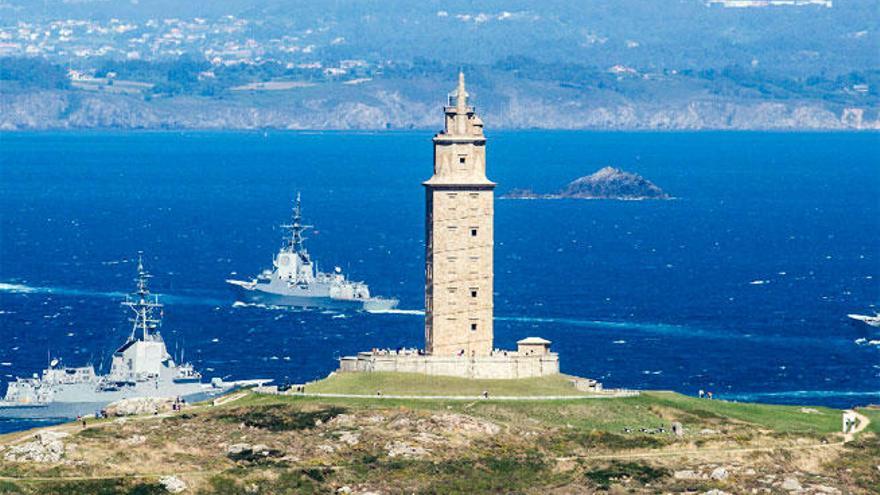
140	405
46	447
172	484
607	183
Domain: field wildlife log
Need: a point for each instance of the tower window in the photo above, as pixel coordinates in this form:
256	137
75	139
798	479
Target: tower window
473	292
473	231
473	327
462	160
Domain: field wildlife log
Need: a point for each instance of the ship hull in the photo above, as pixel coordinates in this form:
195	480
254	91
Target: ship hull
256	296
71	410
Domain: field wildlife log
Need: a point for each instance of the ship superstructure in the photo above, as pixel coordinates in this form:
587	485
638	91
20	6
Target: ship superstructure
295	280
141	367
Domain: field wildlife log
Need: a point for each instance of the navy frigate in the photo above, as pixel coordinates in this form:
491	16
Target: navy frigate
141	367
294	280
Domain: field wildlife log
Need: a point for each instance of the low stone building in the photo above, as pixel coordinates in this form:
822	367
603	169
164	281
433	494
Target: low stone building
529	360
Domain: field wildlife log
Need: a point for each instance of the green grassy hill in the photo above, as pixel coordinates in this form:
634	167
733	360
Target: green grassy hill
285	444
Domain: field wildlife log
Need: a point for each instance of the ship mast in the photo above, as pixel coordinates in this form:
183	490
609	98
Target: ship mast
143	305
295	239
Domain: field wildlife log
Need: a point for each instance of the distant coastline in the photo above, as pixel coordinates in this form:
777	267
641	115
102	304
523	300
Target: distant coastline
372	109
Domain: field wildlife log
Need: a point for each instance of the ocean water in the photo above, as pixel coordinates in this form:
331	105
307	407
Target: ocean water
740	286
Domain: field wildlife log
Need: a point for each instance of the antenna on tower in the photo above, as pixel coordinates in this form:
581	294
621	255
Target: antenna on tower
142	305
295	239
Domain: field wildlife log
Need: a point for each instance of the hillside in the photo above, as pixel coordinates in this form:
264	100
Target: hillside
302	444
606	64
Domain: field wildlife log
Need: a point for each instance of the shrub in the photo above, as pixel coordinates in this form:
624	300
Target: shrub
281	417
618	471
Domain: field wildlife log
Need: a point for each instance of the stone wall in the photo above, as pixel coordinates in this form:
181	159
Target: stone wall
496	366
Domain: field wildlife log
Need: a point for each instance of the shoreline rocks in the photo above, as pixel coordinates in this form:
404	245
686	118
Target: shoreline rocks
140	405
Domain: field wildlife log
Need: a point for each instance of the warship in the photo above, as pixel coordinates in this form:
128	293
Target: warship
141	367
873	321
295	280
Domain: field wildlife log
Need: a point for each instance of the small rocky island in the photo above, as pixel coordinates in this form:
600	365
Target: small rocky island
607	183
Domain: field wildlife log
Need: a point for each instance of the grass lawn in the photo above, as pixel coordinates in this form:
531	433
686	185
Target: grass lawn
649	410
874	415
783	419
419	384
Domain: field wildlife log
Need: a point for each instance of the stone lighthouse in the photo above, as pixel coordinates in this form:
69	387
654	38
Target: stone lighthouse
459	244
459	236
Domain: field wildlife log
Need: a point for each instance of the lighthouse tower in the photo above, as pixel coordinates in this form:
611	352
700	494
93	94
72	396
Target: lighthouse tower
459	244
459	237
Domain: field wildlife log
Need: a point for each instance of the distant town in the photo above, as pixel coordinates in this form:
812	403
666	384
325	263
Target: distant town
151	71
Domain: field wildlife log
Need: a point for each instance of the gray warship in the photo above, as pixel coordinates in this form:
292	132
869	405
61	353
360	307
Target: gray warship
295	280
141	367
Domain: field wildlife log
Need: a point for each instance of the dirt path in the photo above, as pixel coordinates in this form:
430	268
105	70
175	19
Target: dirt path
612	395
864	421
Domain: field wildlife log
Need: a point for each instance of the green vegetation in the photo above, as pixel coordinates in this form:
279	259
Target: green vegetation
287	444
873	414
425	385
782	419
503	473
90	487
621	471
649	410
281	417
287	482
32	73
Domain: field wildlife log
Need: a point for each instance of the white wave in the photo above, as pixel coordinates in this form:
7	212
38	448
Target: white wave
114	262
64	291
759	282
4	287
239	304
417	312
340	316
619	342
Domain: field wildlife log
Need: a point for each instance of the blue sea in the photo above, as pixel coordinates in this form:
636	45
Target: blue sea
740	286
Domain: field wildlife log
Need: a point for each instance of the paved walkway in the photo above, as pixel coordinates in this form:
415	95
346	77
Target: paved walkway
614	395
